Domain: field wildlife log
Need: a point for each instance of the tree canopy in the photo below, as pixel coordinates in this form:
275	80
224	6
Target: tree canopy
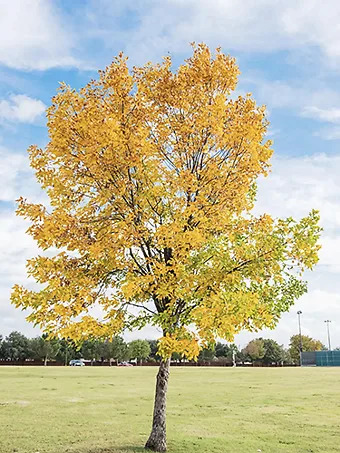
151	176
15	347
255	350
139	349
274	353
266	351
42	348
308	344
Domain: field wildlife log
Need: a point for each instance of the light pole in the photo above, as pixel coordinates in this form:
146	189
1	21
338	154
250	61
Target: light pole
329	337
299	313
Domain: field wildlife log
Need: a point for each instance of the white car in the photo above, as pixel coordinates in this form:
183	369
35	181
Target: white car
76	363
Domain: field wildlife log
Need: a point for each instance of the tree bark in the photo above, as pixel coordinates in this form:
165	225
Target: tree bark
157	439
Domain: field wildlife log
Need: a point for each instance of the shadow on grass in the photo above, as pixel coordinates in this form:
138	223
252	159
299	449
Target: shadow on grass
122	449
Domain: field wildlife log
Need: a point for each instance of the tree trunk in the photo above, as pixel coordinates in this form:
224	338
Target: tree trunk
45	361
157	439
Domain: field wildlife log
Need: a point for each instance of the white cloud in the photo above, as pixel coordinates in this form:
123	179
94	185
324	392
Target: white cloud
331	115
306	99
262	26
314	24
309	98
15	248
34	36
16	177
21	108
329	133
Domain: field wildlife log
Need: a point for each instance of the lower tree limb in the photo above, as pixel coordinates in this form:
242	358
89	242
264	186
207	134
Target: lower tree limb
157	438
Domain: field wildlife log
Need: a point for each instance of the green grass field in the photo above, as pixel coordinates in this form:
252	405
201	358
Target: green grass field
108	410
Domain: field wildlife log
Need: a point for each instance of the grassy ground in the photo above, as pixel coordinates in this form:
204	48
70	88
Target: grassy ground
108	410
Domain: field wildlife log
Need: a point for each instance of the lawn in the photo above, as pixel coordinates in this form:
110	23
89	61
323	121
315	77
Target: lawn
108	410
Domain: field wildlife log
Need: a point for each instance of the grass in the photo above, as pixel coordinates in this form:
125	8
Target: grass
108	410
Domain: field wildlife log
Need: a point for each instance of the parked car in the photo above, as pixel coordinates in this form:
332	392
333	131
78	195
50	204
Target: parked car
125	364
76	363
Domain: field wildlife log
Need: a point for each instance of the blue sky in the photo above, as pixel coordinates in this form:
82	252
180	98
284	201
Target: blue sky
289	56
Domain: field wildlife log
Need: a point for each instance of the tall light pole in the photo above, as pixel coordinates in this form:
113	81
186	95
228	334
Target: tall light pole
329	337
299	313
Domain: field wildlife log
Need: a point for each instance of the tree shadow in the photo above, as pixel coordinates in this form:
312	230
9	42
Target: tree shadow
116	449
133	448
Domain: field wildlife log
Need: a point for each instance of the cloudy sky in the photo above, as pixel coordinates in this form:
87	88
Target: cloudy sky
289	56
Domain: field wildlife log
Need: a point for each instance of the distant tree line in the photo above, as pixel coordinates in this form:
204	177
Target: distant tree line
261	351
17	347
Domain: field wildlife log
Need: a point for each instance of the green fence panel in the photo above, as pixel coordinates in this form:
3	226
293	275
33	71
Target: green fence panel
308	358
327	358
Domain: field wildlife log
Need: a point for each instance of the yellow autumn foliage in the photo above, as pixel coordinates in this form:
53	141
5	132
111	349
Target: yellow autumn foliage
151	177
